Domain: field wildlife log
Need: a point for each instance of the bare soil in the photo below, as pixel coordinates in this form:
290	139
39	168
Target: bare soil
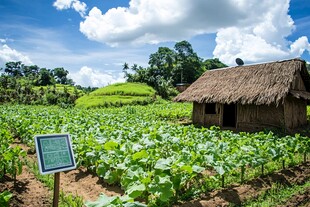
28	191
86	184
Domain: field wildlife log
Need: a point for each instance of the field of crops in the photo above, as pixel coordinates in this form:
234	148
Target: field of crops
144	150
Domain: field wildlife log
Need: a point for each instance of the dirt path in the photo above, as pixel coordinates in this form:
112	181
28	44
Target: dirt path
86	184
28	191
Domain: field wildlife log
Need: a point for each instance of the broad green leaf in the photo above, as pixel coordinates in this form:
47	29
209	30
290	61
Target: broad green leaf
140	155
163	164
162	187
135	190
110	145
198	169
219	169
187	168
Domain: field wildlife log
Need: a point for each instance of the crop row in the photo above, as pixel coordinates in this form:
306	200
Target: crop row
141	150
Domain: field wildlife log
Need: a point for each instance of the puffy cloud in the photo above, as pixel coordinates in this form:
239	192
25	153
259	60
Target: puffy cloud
263	41
254	30
8	54
87	76
153	21
77	5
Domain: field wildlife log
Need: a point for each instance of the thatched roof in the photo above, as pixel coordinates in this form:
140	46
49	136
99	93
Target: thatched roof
250	84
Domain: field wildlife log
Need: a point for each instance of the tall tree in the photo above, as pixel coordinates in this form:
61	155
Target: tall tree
30	71
14	69
162	62
189	66
45	77
60	75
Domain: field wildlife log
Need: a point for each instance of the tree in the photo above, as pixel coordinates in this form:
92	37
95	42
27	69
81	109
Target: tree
162	62
167	67
14	69
45	77
213	64
31	71
60	75
188	67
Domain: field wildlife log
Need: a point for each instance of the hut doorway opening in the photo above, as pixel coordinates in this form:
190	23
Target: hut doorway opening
229	115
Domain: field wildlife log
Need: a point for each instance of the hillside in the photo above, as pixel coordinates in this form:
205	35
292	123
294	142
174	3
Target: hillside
118	94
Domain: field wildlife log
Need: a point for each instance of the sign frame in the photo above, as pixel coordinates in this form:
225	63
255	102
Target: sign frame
43	167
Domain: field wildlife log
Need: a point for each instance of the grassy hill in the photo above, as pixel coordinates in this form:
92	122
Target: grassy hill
118	94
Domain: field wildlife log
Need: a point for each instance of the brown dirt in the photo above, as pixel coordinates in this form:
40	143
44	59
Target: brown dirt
236	195
28	191
86	184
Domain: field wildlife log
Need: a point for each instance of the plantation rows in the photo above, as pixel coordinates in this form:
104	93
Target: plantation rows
142	150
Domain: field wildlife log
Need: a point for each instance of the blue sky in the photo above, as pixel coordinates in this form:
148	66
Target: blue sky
92	39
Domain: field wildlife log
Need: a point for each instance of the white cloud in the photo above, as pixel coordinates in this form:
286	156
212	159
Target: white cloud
154	21
62	4
255	30
77	5
8	54
263	41
87	76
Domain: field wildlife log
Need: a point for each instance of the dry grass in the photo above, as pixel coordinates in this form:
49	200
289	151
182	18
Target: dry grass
251	84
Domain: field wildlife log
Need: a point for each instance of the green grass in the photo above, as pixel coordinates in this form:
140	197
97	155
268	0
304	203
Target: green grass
118	95
126	89
277	195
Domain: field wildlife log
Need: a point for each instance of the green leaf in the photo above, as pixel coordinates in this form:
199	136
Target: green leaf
135	204
162	187
135	190
163	164
4	198
219	169
198	169
187	168
110	145
102	201
140	155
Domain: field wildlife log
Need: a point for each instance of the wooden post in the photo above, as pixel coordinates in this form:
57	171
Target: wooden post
56	189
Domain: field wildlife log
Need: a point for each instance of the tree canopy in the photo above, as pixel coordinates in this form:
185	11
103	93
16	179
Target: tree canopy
24	84
168	67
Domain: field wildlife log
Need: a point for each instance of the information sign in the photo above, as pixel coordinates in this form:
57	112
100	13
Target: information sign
54	152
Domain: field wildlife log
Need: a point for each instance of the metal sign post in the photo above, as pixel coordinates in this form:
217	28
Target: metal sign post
55	154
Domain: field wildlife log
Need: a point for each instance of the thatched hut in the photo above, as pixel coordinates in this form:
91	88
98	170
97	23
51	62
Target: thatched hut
251	97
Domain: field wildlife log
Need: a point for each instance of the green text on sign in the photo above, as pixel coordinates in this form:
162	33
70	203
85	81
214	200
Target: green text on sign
54	153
